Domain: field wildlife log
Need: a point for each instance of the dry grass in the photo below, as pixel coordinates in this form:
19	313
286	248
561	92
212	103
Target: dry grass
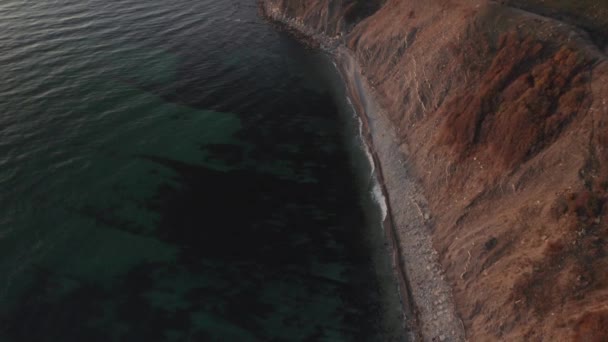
504	121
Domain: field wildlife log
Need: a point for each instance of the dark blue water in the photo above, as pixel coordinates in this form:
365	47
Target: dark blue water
179	171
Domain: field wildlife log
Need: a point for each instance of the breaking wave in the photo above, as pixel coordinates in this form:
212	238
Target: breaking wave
376	191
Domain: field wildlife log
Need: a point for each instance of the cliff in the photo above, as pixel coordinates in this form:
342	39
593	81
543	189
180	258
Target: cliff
502	118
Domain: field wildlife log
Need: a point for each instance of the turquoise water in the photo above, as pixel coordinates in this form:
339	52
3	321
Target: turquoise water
177	171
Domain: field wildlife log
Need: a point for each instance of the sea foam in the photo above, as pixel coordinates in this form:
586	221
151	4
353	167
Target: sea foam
376	191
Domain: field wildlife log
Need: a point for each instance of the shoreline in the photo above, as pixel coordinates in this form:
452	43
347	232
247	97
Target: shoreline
408	305
426	298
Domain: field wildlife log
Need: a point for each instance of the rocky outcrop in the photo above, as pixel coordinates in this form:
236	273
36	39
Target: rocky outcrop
502	118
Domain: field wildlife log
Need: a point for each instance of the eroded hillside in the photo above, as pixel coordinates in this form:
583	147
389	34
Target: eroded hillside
503	117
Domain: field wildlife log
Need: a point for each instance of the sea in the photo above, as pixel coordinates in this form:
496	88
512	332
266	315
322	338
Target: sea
181	171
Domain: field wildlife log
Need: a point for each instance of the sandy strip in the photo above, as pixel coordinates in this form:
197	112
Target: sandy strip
427	296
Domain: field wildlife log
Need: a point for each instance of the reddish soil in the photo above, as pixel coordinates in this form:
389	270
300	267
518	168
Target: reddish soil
503	116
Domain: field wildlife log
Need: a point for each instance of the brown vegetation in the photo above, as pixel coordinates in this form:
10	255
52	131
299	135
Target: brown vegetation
504	118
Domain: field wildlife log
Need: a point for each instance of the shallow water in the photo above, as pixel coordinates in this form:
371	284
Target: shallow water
179	171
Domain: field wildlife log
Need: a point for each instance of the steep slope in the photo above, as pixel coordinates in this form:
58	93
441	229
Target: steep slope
591	15
502	116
